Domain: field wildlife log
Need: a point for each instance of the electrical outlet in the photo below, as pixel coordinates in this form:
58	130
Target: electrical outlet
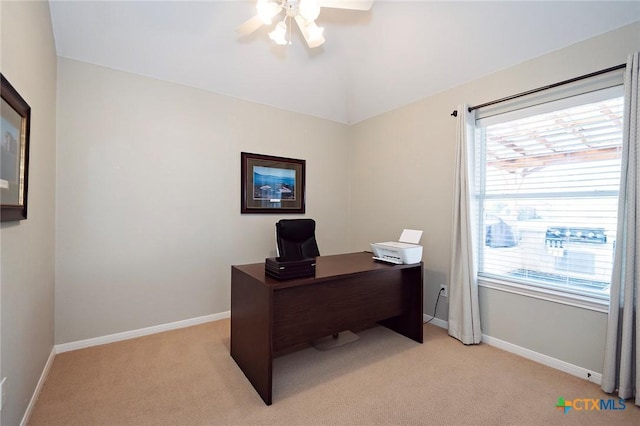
445	290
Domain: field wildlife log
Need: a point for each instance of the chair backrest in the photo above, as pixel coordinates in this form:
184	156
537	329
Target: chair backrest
296	239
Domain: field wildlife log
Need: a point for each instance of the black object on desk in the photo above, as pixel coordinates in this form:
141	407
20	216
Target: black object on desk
281	269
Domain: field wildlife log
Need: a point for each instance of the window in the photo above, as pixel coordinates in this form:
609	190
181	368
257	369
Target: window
547	181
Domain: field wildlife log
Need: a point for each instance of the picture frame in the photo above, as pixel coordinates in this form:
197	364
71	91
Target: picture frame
271	184
15	124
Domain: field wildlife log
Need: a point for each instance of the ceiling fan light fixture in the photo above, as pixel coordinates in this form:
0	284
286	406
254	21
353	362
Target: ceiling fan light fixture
304	12
278	35
267	10
309	9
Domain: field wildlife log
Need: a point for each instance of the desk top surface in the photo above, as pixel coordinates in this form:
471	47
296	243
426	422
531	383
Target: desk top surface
326	268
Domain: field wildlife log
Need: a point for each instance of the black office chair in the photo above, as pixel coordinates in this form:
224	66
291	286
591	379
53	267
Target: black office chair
296	239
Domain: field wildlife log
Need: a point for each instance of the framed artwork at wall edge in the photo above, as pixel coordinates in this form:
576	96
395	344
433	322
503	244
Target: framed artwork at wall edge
272	184
15	123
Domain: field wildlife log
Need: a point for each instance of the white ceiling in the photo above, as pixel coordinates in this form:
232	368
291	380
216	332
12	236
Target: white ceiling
372	62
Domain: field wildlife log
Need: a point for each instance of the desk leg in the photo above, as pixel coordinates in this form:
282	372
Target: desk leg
251	331
409	324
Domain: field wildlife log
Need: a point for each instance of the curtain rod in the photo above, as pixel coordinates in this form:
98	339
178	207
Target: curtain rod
540	89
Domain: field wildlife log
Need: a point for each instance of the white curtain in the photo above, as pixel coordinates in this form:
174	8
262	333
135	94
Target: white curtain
622	354
464	314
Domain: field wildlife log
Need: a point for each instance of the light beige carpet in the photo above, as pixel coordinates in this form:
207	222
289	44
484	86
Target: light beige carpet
187	377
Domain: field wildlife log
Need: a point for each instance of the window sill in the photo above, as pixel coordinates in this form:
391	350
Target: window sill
579	301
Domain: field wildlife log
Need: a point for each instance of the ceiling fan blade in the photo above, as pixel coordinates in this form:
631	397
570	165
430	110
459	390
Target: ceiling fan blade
313	40
249	26
347	4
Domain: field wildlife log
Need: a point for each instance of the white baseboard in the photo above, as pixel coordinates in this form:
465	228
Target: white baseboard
36	392
435	321
103	340
558	364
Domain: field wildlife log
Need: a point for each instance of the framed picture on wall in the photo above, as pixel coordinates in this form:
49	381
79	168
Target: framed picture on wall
15	119
272	184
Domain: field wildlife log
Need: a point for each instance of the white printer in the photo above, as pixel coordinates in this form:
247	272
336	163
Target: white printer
406	250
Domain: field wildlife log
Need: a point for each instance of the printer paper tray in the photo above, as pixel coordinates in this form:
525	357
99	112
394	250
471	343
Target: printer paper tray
382	259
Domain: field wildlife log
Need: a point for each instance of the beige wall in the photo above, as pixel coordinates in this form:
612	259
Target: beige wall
148	202
402	177
27	261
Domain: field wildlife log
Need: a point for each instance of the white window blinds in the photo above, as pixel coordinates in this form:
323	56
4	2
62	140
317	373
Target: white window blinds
547	185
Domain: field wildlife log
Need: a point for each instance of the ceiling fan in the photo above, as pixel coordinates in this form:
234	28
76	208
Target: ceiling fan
304	12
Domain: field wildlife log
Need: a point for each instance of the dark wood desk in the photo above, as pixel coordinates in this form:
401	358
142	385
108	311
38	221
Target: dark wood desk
349	291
